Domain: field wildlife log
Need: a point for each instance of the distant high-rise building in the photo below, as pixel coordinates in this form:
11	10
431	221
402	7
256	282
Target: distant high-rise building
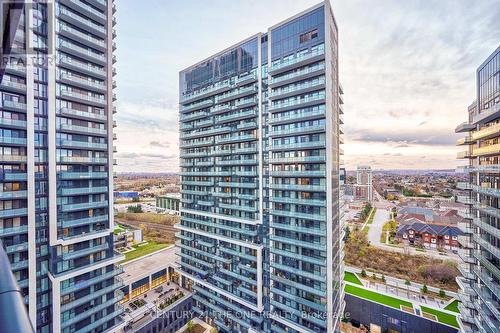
480	281
56	158
363	190
260	231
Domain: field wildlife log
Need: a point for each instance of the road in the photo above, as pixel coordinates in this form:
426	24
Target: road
380	218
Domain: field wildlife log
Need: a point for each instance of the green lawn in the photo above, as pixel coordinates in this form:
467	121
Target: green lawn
143	250
442	317
376	297
118	229
453	306
351	277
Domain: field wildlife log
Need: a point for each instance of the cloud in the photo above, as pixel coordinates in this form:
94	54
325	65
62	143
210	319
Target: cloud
159	144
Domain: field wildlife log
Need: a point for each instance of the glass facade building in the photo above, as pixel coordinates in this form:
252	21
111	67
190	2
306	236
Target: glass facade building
260	240
480	281
56	165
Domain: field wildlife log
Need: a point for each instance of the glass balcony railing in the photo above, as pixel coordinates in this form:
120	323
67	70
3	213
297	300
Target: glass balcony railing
82	51
13	194
12	122
283	104
85	252
84	190
89	9
83	36
298	145
206	91
296	58
197	106
84	206
12	141
297	88
298	187
83	81
278	117
81	284
14	105
237	116
297	74
87	22
298	159
14	230
237	93
65	223
84	66
88	98
487	150
82	159
89	312
82	144
13	84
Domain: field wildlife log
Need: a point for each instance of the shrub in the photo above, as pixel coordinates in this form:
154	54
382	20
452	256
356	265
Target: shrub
424	289
442	293
363	273
134	209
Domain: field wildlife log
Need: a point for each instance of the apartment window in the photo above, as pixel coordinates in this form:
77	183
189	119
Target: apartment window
308	36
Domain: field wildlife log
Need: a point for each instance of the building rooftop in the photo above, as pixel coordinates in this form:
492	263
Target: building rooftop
170	195
355	287
144	266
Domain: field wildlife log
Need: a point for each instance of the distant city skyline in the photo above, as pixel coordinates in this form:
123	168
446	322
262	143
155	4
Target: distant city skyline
407	77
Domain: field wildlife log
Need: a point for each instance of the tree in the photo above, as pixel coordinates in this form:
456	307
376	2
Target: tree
424	289
383	278
442	294
363	273
374	276
190	326
407	282
135	199
213	330
134	209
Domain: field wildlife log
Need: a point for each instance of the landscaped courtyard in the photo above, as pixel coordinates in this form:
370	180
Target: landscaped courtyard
143	249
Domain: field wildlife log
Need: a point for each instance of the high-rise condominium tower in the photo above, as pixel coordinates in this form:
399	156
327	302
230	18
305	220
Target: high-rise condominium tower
480	281
56	120
260	232
364	188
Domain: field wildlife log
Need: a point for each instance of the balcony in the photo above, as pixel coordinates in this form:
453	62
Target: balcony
206	92
87	10
297	60
465	141
298	187
13	106
83	98
465	127
280	118
298	146
6	140
7	195
13	86
297	89
197	106
486	190
84	206
301	74
196	143
83	190
81	22
83	82
83	114
464	186
493	149
298	159
235	94
81	37
82	129
4	232
295	214
81	67
298	201
465	200
14	176
12	123
82	144
486	132
210	132
246	79
89	312
239	161
235	138
236	116
297	173
85	252
285	105
194	116
238	184
486	114
83	221
464	154
297	130
82	175
82	52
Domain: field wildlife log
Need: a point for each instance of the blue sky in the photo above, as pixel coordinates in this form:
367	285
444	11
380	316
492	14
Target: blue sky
407	68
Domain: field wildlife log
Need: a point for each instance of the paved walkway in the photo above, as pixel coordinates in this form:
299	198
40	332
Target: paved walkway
381	217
